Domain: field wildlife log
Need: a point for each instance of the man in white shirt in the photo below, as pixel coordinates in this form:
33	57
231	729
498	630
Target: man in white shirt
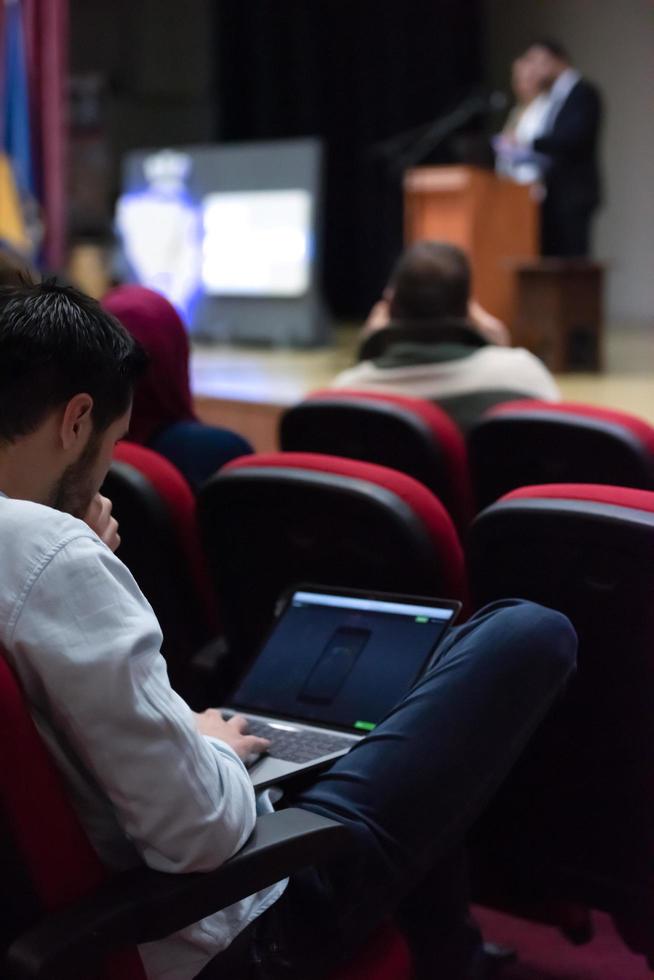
465	370
152	781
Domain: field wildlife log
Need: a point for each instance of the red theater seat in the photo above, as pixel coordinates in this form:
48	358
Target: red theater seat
155	508
273	520
66	918
407	434
54	865
525	443
575	820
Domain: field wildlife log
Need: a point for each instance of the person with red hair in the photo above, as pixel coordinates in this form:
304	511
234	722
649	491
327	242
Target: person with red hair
162	415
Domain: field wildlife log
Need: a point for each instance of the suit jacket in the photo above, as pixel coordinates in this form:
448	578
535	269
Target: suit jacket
571	145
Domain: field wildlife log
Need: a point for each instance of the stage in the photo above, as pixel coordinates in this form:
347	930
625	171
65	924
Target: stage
247	389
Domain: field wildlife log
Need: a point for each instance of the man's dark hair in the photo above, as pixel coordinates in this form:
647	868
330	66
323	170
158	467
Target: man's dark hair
431	280
551	45
14	270
55	342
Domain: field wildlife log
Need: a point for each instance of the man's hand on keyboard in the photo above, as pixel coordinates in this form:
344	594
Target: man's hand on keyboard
234	732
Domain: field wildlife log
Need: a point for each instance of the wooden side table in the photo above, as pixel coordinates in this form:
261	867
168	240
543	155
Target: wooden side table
559	312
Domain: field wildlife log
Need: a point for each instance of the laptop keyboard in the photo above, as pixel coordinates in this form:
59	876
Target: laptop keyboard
302	746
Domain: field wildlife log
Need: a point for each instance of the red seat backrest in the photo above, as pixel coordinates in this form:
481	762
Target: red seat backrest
405	433
179	499
61	864
274	520
578	810
592	493
526	442
435	519
641	429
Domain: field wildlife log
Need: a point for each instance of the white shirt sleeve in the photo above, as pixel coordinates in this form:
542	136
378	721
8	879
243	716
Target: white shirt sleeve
88	639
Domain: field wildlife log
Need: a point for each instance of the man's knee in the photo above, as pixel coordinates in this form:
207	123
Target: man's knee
534	639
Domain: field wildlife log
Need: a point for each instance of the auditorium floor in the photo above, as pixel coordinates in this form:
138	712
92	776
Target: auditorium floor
247	388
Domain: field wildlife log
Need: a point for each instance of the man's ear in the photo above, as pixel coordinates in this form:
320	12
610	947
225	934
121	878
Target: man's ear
76	422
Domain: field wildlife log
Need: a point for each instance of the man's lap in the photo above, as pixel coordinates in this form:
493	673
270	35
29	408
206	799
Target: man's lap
411	789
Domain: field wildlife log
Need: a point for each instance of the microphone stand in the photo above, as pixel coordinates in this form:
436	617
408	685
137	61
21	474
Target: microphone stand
409	147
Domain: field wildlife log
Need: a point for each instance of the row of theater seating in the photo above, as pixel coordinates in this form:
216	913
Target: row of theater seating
576	819
514	444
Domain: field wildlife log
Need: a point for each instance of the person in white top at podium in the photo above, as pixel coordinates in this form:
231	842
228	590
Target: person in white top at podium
525	122
427	338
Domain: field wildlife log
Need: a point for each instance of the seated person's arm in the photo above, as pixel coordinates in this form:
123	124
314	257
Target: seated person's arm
491	329
378	318
87	641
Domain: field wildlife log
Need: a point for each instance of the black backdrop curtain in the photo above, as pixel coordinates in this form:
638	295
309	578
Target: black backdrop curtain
353	72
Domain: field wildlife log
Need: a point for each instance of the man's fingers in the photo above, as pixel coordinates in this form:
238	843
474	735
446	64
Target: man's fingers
252	743
109	533
105	513
102	506
238	722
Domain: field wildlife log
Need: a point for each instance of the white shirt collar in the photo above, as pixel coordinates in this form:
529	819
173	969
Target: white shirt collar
564	85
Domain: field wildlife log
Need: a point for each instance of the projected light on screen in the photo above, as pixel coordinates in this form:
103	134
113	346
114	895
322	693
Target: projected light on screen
256	243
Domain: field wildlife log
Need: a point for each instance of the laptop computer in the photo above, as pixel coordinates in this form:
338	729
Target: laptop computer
334	664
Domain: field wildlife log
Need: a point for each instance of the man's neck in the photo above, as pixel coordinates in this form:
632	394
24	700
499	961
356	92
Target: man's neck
24	474
18	487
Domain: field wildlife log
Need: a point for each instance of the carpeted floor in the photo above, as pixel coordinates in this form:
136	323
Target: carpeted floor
545	955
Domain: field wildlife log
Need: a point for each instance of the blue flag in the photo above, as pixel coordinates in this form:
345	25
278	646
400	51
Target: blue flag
17	136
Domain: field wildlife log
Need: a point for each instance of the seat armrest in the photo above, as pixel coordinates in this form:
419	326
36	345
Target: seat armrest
142	905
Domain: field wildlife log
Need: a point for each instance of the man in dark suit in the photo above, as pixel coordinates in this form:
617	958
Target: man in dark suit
567	147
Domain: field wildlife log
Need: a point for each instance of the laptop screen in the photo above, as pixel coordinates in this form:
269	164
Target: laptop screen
342	660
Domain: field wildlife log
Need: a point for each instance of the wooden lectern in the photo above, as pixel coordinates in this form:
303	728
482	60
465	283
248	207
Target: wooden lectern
493	219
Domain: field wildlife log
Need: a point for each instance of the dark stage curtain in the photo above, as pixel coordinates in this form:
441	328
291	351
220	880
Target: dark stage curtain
353	72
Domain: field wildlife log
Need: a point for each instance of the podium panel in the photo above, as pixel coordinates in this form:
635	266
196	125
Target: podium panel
495	221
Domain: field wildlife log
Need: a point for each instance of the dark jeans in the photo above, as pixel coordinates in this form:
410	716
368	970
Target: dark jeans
409	793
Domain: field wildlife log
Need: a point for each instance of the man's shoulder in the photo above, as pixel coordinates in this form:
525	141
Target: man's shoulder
31	536
33	530
493	353
27	513
518	367
583	91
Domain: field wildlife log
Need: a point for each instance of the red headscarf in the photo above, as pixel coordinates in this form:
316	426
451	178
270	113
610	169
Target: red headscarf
163	395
